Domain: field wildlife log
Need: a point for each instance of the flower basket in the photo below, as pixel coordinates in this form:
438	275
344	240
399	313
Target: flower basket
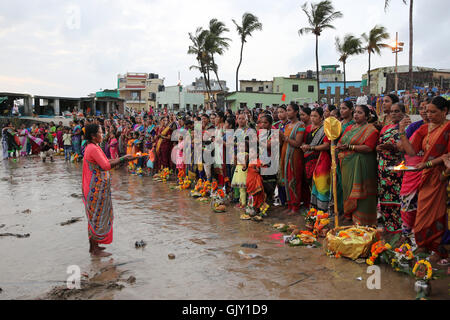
351	241
218	204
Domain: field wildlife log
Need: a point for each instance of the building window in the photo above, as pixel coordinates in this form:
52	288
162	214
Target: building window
243	104
258	105
310	88
249	89
134	95
267	87
261	89
295	87
322	91
278	88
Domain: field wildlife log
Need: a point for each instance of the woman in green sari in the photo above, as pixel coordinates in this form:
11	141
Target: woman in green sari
357	159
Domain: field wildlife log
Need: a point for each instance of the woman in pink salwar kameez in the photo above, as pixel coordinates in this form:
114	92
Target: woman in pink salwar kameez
96	188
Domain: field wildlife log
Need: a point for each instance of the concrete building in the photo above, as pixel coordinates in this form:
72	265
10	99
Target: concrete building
339	86
139	89
199	86
7	100
239	99
334	91
296	89
382	80
327	73
177	98
254	85
108	101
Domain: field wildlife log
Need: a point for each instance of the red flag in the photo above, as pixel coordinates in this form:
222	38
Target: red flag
283	98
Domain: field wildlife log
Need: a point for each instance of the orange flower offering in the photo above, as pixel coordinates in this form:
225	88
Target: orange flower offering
221	193
214	186
199	185
377	248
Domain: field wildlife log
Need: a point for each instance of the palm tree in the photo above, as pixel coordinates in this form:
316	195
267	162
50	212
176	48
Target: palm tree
203	58
216	43
374	43
411	38
320	17
349	46
249	24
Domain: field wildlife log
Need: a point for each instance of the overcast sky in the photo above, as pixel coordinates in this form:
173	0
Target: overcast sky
73	48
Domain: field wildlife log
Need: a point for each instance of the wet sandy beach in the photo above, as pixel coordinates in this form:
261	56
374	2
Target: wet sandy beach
206	246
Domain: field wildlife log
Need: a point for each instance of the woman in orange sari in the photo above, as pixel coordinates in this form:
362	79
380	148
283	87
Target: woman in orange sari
96	188
433	139
292	159
357	159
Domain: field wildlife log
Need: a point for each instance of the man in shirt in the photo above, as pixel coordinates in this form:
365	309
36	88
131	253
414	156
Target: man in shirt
46	150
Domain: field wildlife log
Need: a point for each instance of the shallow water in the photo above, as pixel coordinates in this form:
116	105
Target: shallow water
206	245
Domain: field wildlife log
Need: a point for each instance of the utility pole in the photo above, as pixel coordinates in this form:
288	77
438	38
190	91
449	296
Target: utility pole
398	47
179	91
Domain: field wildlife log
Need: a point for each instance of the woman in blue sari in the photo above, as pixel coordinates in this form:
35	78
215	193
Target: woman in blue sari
76	138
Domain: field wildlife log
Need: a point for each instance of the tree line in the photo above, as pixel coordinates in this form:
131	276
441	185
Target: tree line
210	42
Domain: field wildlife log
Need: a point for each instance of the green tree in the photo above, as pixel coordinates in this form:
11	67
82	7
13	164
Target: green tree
320	16
216	44
349	46
374	43
198	48
411	38
249	24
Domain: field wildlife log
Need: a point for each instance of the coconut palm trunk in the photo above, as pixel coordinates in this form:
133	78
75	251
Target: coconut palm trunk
215	72
411	75
239	65
368	75
345	82
317	68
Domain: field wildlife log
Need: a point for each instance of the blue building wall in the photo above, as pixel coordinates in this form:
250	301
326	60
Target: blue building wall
333	85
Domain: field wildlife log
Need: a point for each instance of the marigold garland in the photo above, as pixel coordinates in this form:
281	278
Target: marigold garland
427	265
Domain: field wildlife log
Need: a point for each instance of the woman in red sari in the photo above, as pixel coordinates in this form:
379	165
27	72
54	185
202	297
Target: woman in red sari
164	144
292	159
433	139
96	188
316	149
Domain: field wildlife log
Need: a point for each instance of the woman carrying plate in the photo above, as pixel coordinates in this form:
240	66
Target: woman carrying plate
389	181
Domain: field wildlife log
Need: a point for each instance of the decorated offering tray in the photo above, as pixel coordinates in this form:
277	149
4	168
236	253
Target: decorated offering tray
351	241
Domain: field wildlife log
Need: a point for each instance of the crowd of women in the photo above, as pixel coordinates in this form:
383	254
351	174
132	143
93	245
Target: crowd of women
370	192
